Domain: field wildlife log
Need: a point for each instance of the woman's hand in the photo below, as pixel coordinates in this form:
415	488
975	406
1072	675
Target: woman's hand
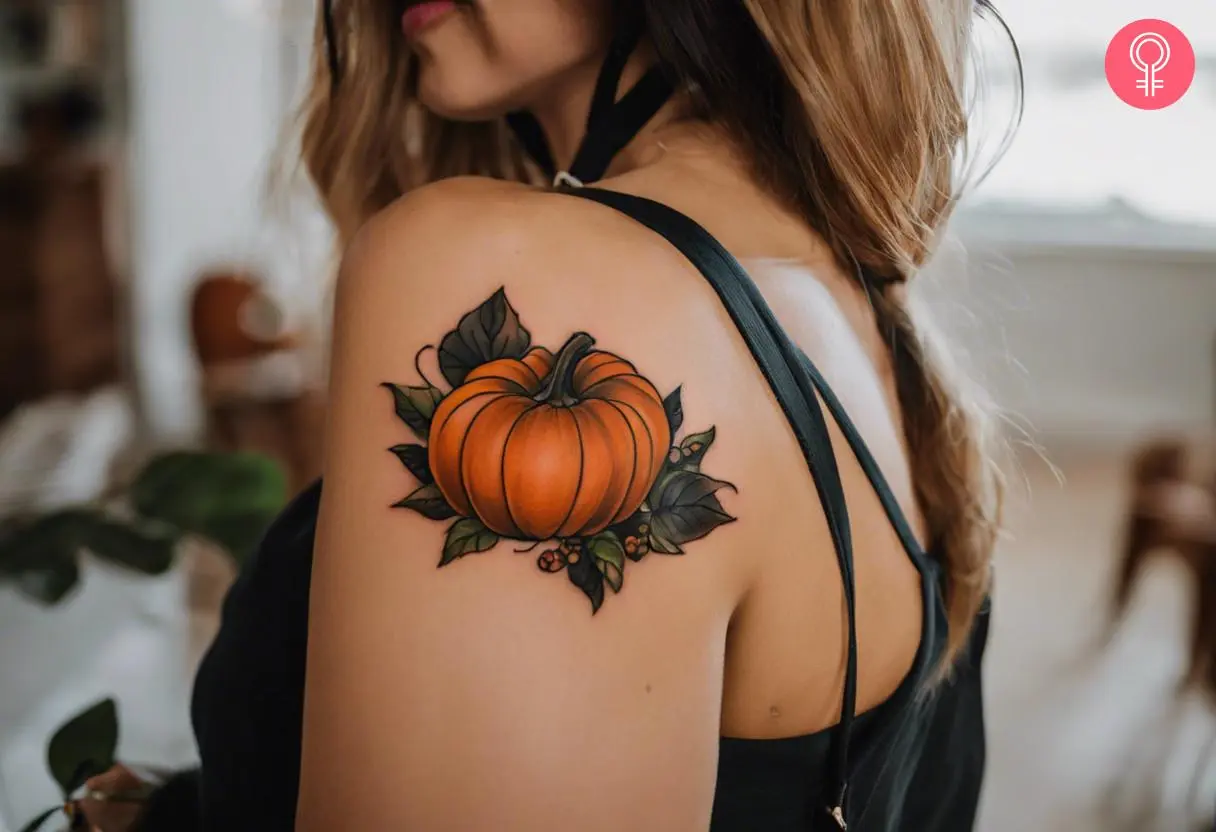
122	812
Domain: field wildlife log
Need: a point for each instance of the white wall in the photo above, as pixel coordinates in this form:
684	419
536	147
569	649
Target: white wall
205	109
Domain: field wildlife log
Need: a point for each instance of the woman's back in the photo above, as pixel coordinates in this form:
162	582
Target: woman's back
786	650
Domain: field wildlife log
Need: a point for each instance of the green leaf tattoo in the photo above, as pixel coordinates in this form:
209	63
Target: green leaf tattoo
413	457
640	487
585	574
673	406
490	331
694	448
465	537
609	556
415	406
429	502
685	508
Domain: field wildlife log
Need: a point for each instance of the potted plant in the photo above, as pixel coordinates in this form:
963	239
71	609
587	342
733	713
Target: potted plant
228	499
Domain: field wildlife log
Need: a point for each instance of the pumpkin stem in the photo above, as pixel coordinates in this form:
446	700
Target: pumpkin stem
558	387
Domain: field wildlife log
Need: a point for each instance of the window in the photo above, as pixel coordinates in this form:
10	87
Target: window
1083	162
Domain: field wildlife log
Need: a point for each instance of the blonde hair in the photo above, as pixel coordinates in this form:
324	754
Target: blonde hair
851	111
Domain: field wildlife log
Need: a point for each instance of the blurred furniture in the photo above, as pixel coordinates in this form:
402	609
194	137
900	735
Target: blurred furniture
1171	777
59	93
257	391
1173	514
57	298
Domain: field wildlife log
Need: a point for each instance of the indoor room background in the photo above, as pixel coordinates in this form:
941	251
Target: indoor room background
163	306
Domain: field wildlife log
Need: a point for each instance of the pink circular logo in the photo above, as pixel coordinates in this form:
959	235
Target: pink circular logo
1150	64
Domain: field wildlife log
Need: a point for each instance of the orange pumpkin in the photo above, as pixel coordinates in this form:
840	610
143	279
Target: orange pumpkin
542	447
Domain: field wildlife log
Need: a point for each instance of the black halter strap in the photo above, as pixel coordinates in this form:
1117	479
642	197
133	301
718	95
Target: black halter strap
611	124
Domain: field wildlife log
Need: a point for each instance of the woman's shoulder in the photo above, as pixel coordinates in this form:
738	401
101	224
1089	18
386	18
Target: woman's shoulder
468	206
526	426
471	224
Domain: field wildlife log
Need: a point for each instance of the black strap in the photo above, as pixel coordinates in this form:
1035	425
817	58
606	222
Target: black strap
611	124
869	465
796	383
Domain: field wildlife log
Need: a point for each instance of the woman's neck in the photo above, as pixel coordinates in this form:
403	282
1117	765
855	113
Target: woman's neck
562	111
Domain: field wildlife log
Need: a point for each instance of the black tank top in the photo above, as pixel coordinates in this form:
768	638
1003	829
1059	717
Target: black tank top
912	764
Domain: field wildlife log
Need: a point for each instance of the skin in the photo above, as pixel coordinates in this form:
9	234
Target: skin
484	695
112	817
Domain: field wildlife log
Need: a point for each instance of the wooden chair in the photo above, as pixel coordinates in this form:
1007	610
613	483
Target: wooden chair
1173	514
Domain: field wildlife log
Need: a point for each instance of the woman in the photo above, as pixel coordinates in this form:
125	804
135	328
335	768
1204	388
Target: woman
771	552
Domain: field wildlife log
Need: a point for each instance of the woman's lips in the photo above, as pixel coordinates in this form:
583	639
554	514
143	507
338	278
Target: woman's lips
421	15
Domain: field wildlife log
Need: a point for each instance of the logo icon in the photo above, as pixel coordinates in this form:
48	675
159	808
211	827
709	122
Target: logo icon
1150	64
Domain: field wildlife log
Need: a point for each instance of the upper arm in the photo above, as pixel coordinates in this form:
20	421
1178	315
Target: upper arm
453	682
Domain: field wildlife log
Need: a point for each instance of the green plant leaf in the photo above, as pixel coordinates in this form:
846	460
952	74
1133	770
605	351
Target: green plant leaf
415	405
694	448
36	824
465	537
29	543
674	408
609	556
685	508
144	547
429	502
10	525
84	746
414	458
229	498
239	533
490	331
586	575
40	555
45	550
51	583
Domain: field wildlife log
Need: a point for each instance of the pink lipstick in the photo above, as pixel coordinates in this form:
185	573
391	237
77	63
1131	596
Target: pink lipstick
420	16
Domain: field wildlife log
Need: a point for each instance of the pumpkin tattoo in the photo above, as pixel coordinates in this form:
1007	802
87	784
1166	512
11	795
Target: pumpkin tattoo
574	448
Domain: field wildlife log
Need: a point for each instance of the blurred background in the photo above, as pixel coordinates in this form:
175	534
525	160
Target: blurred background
158	313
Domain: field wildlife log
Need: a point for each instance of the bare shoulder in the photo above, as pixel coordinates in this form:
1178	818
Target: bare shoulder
471	285
534	486
468	222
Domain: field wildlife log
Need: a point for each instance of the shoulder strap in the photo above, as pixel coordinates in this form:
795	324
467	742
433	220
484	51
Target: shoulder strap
783	366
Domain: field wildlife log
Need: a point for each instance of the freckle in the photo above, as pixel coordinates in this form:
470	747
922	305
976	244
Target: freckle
774	712
648	687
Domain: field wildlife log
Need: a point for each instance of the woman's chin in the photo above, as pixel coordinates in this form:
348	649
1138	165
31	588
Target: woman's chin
450	105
